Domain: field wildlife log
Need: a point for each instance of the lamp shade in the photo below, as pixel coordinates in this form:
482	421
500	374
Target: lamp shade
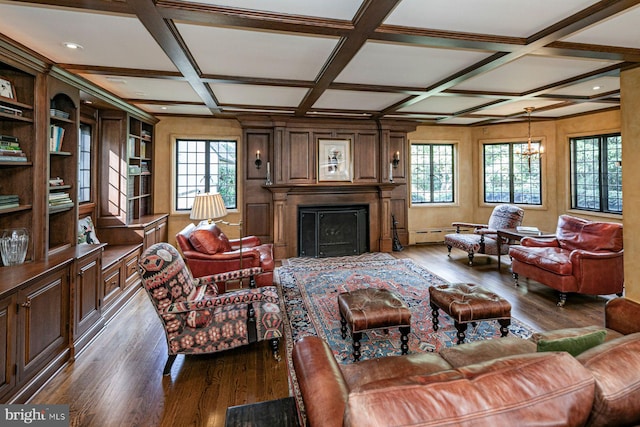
208	206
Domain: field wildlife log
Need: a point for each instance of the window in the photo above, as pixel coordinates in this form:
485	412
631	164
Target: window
596	175
84	164
431	173
510	177
205	166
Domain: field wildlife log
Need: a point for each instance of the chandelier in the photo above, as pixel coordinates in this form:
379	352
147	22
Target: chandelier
531	152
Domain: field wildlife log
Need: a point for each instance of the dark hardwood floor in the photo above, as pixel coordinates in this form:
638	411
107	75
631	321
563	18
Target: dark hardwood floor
117	380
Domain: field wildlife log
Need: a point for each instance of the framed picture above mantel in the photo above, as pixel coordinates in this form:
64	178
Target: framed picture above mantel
334	160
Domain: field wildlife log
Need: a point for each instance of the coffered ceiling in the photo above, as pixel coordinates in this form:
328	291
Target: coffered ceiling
460	62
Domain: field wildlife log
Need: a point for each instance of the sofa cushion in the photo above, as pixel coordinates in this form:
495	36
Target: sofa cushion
555	260
572	340
209	239
615	366
528	389
485	350
373	370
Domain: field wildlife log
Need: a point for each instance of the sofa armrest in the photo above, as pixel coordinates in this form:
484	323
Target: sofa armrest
539	242
467	224
240	296
223	256
247	242
324	390
622	315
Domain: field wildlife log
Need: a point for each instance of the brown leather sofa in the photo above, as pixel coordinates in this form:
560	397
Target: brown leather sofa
207	251
585	257
500	382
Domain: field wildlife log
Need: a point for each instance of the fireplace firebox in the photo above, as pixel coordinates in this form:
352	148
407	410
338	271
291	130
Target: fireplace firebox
326	231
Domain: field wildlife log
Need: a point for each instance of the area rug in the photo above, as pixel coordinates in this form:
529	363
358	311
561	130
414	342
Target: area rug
310	291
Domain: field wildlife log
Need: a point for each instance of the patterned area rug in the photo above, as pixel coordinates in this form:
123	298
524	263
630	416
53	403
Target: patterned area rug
310	291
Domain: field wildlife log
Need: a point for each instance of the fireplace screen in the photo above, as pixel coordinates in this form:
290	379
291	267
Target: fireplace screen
326	231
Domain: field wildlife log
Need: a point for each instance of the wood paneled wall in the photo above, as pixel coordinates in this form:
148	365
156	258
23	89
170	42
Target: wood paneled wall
290	147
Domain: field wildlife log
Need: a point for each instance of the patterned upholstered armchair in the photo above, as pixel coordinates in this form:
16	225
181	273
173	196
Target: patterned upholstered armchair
196	318
484	238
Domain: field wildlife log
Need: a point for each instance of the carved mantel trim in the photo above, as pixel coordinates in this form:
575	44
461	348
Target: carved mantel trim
287	197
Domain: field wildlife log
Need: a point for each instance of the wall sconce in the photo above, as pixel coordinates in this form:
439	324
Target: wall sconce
396	159
258	161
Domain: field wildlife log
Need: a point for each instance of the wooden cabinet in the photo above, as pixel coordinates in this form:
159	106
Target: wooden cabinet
86	296
43	328
7	344
126	169
120	277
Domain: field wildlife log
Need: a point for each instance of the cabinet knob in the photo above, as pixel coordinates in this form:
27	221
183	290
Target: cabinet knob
27	304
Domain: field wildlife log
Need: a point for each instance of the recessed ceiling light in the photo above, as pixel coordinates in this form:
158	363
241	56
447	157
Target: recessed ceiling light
596	88
72	45
163	108
116	80
141	93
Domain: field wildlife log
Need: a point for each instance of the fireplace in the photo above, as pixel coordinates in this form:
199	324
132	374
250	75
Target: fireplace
326	231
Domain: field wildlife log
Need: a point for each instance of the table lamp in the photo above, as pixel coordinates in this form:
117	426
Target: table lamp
210	207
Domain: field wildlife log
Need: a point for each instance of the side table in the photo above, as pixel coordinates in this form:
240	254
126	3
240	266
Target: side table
272	413
514	234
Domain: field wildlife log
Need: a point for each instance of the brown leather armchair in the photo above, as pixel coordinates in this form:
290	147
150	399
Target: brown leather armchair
207	250
585	257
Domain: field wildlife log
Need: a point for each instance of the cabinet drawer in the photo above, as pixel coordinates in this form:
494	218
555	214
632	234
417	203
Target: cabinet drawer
132	275
111	279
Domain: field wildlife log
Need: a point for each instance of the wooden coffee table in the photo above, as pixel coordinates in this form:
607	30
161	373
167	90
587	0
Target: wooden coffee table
514	234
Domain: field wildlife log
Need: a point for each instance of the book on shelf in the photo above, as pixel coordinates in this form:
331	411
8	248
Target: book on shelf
58	113
11	151
8	139
12	158
10	110
9	201
55	137
55	182
532	230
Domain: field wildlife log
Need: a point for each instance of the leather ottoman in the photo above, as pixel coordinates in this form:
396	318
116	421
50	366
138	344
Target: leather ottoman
370	308
469	303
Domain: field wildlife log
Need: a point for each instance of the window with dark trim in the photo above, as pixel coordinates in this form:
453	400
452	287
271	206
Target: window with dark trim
596	173
205	166
510	177
84	164
432	173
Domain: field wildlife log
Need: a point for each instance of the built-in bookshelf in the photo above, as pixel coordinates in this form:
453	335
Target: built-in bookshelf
132	198
139	147
63	165
17	141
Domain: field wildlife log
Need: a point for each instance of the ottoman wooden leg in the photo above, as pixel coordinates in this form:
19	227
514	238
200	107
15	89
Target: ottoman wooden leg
504	326
461	328
404	338
343	326
434	313
356	346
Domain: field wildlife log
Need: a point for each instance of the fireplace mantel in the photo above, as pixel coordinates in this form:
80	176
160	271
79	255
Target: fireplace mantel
287	198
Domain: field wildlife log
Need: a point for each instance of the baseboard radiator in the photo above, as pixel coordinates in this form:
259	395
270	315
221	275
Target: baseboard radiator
433	234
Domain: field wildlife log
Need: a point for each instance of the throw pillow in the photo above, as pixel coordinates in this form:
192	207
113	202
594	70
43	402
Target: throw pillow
87	232
572	340
206	241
